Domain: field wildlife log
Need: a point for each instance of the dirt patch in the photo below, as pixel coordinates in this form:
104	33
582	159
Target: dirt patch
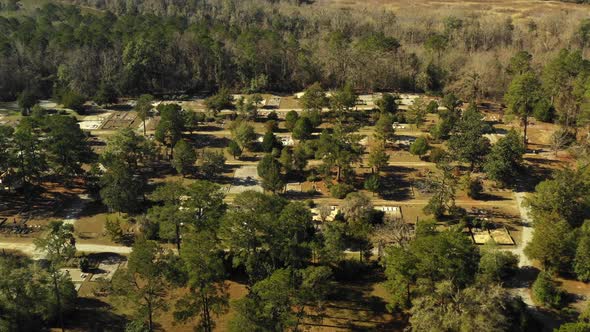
580	292
50	201
517	9
245	178
120	120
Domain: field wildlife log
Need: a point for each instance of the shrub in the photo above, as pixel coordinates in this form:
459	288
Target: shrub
546	291
544	111
73	101
473	187
273	116
270	142
496	265
315	117
223	99
84	264
432	107
234	149
373	183
457	211
312	192
313	177
302	129
113	229
437	154
399	117
212	163
271	126
420	147
291	119
340	190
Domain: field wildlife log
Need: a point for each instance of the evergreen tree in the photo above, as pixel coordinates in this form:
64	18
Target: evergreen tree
184	157
384	128
207	292
234	149
505	158
143	107
522	95
467	141
303	129
142	285
171	125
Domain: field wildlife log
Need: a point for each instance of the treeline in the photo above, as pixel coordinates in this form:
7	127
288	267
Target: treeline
186	47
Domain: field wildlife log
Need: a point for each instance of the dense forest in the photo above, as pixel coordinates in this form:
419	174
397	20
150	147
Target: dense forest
178	47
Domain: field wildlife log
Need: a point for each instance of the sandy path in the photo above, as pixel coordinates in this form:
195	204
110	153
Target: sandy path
527	231
523	289
29	249
71	217
74	211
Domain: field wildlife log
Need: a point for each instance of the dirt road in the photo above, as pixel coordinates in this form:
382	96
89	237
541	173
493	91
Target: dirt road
29	249
524	277
527	231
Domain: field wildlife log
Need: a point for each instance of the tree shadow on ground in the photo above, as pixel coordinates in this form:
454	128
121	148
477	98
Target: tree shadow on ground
536	170
353	306
395	185
203	141
492	197
523	278
209	127
95	315
120	107
252	158
43	203
161	170
93	208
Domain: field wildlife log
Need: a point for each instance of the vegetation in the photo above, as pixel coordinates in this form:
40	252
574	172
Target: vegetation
420	147
28	298
546	291
505	158
211	245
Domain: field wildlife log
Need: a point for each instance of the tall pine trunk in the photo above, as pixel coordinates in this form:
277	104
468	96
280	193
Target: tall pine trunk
58	300
150	318
526	124
178	237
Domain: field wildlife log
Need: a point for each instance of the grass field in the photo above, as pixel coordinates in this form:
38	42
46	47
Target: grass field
518	9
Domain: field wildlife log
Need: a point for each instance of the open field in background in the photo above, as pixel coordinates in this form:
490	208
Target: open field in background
29	6
517	9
